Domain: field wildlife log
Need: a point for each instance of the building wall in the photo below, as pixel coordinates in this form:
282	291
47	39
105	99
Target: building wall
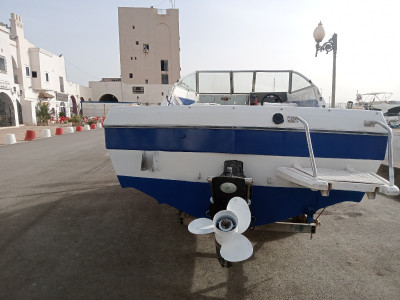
23	58
42	63
101	88
7	83
152	93
159	29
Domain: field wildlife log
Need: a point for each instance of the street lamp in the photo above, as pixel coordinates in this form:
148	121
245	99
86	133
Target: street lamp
331	45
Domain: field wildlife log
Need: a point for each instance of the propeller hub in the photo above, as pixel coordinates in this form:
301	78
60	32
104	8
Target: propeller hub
226	223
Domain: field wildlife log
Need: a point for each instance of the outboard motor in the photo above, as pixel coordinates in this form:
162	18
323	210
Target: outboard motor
231	183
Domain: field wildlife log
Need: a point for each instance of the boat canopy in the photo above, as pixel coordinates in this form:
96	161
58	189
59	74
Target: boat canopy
246	88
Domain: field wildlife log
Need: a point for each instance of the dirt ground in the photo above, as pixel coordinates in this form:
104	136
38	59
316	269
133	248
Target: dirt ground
68	231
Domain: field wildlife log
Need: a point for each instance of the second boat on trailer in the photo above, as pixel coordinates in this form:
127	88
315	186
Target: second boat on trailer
247	148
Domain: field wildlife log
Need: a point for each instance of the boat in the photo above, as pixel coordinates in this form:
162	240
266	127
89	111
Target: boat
379	101
375	101
262	136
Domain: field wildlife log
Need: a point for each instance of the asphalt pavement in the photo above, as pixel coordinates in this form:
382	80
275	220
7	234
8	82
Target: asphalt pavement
68	231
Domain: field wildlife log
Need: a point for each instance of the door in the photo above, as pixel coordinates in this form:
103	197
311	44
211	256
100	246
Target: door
7	115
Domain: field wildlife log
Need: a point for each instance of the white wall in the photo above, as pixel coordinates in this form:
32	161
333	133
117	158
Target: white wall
153	93
101	88
41	61
7	85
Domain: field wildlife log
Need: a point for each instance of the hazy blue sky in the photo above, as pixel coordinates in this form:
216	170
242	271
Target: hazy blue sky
235	34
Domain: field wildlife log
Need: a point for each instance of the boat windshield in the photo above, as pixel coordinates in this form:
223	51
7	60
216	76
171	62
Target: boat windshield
239	87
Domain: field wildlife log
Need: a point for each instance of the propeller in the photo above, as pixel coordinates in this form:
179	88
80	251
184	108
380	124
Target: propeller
228	226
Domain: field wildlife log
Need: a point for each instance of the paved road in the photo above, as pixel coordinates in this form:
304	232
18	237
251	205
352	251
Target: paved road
68	231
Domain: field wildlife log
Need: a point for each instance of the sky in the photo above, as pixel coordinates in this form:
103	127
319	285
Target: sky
232	35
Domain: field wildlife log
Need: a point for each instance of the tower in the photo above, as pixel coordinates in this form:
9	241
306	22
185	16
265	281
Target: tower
149	46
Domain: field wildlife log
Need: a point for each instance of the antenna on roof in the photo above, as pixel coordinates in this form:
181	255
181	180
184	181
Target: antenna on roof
172	3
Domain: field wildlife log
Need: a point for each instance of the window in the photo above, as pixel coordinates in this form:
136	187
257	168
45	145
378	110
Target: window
188	83
146	81
137	42
138	90
299	82
27	72
213	82
146	48
130	75
131	58
34	74
135	58
47	77
272	82
3	67
61	84
164	78
164	65
242	82
133	27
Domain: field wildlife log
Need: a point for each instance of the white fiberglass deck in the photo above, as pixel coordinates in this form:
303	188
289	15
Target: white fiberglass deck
336	179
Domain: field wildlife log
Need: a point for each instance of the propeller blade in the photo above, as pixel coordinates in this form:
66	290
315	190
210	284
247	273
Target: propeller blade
201	226
237	249
241	209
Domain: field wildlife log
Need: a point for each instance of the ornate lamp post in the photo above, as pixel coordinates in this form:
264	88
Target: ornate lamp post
331	45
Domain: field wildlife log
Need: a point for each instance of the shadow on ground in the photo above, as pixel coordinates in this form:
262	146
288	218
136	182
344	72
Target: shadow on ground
105	244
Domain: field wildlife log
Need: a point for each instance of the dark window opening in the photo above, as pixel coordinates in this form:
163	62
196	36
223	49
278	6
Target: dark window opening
61	84
131	58
34	74
164	78
130	75
164	65
27	72
47	77
133	27
138	90
137	42
146	47
135	58
3	64
108	98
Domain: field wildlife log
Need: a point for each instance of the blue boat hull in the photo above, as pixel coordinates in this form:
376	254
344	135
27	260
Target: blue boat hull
269	204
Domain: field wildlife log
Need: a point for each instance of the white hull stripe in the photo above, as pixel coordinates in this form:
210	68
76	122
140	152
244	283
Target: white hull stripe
196	167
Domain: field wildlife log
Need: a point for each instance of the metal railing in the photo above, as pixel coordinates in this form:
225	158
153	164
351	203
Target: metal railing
390	147
294	119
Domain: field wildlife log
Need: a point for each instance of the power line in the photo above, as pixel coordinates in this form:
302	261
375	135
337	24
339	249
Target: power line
96	78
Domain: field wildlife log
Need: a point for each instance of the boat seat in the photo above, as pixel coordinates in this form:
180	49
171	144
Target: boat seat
334	179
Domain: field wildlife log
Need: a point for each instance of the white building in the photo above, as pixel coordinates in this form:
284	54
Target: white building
149	57
29	74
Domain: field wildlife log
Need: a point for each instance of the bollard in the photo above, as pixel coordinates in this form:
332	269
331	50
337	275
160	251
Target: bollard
86	127
46	133
92	126
79	128
30	135
69	129
59	131
99	125
9	139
